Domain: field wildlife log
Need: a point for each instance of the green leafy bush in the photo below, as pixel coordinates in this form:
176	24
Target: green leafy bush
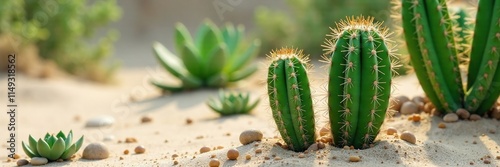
59	29
309	21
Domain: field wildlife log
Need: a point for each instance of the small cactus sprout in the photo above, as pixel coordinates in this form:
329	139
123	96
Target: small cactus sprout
290	98
232	103
215	58
359	83
52	147
432	38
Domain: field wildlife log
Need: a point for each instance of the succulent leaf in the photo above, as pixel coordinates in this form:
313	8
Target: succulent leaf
69	152
192	61
43	148
216	60
207	38
182	36
33	145
242	74
29	152
56	150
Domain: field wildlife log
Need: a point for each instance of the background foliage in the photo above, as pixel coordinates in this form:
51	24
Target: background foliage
309	21
61	30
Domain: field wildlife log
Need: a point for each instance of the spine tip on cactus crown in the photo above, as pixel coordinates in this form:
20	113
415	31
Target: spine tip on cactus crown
286	52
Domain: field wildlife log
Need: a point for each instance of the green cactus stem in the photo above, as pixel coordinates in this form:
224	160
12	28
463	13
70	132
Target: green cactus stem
290	98
483	74
359	83
433	52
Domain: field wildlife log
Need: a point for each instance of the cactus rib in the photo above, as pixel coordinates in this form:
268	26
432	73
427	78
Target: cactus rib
482	87
290	98
437	48
360	64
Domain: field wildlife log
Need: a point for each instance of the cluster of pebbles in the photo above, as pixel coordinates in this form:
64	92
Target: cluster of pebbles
416	105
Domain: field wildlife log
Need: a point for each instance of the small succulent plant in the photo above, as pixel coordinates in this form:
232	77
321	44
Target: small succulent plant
232	103
290	98
359	83
52	147
214	59
431	36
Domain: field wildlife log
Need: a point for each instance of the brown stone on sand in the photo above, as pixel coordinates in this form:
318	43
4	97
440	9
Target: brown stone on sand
450	117
441	125
146	119
397	102
409	107
408	137
233	154
463	113
214	163
22	162
95	151
139	149
428	107
474	117
354	158
391	131
204	149
324	131
249	136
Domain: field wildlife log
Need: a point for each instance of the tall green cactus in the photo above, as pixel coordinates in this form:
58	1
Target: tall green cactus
359	83
290	98
430	39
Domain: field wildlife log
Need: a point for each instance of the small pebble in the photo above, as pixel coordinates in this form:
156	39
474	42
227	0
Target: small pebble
176	162
408	137
175	156
396	103
463	113
121	158
130	140
492	131
146	119
391	131
409	107
233	154
301	155
139	149
125	152
248	157
347	148
495	113
108	138
324	131
258	151
428	107
277	158
102	121
354	158
475	117
249	136
95	151
189	121
313	147
204	149
214	163
441	125
487	161
36	161
416	118
22	162
450	117
321	146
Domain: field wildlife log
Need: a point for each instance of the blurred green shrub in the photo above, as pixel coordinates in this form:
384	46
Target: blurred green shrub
60	29
309	21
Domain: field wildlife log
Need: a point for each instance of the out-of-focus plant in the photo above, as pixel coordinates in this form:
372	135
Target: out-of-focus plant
309	21
60	28
231	103
214	58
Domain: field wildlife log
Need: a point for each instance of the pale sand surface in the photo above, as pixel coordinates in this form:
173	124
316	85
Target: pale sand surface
52	105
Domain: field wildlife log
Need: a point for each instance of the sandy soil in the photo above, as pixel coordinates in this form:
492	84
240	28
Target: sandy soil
65	103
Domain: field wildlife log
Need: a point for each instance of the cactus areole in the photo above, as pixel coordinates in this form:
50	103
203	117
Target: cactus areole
431	37
359	82
290	98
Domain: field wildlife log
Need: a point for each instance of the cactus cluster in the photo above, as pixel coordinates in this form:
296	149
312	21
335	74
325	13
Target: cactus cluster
432	40
214	59
232	103
359	84
290	98
52	147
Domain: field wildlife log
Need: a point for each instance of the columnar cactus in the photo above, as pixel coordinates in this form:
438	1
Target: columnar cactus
290	98
359	83
430	36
